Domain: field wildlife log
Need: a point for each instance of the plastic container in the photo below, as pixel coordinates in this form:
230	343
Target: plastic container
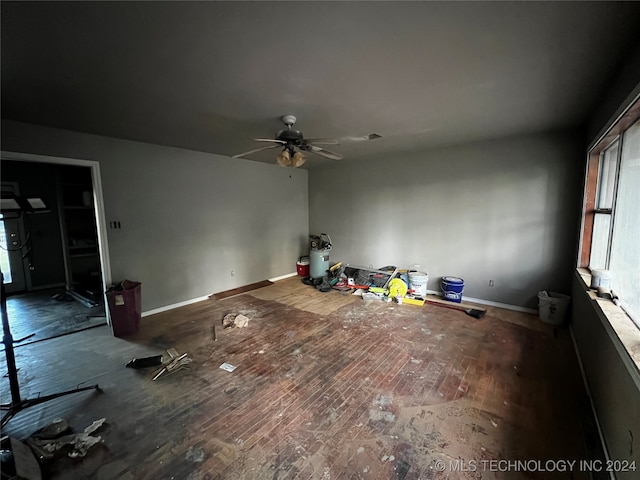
302	266
125	307
553	307
418	283
452	288
600	278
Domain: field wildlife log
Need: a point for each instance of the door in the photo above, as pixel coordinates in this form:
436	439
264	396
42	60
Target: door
12	248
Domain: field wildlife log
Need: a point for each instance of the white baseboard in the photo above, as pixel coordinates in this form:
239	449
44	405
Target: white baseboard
506	306
200	299
282	277
289	275
174	305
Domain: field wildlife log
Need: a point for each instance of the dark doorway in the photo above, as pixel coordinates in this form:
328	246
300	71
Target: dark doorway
56	253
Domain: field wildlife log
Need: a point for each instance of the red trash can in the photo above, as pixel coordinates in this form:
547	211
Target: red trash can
125	307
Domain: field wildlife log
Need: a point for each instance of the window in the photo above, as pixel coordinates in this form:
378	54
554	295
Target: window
611	223
601	240
624	255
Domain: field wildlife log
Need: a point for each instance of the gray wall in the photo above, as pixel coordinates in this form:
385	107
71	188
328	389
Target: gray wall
188	218
613	391
504	210
619	94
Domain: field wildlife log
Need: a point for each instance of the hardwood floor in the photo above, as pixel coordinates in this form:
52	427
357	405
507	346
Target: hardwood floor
37	316
327	386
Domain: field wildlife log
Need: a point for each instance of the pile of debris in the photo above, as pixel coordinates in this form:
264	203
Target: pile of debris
386	284
24	458
232	320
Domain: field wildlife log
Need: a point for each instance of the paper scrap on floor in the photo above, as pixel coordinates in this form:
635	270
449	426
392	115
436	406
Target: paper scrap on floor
228	367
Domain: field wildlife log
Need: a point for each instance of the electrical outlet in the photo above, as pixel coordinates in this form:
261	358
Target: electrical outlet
491	283
233	273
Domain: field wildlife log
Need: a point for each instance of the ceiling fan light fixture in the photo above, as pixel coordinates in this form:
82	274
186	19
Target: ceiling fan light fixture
298	159
284	159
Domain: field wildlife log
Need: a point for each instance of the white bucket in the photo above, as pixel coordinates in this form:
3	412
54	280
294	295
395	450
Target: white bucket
418	283
600	278
553	307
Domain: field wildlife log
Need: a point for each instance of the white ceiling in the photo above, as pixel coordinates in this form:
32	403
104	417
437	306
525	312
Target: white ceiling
210	76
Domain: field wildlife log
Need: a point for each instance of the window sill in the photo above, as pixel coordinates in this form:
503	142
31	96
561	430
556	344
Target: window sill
623	331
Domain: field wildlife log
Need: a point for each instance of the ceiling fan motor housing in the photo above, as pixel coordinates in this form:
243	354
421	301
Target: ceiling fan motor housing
290	136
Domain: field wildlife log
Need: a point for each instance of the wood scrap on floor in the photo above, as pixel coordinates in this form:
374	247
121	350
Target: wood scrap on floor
472	312
239	290
175	363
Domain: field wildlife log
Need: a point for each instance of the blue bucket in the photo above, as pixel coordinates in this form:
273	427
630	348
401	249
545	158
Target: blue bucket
452	288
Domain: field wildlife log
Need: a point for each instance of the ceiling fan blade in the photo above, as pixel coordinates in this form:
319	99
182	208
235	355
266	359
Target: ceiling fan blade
256	150
323	141
281	142
323	152
363	138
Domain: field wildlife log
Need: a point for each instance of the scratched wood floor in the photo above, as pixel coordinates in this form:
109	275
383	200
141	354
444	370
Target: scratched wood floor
37	316
327	386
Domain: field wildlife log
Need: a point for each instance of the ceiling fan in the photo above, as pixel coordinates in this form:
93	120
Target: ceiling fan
293	144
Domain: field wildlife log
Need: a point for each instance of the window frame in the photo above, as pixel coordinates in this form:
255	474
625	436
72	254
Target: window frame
616	143
592	174
591	190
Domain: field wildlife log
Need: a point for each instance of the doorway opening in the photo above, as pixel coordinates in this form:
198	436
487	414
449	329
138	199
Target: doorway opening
60	254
